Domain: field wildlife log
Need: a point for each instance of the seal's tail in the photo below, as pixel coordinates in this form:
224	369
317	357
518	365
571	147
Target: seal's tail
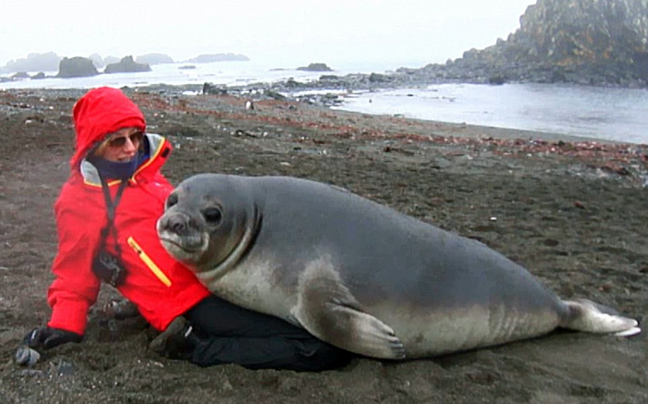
588	316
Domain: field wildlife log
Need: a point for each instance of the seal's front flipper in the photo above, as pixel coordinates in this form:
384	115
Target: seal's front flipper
328	310
350	328
588	316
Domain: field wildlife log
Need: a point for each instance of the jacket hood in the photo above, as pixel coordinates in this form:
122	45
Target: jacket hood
99	112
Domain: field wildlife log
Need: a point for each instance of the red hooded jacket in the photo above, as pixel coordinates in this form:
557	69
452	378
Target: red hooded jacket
161	287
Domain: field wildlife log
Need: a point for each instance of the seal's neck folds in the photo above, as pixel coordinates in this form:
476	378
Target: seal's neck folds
211	272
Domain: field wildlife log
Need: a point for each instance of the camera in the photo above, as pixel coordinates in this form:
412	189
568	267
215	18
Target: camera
109	268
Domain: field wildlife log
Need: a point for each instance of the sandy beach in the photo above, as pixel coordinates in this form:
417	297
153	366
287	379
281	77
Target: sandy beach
573	211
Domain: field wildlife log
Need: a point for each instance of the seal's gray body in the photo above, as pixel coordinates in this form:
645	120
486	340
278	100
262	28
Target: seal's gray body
350	270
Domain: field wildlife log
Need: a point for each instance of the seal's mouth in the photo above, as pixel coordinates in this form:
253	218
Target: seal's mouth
184	248
174	243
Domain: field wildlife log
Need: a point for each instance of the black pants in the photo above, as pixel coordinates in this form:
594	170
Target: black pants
232	334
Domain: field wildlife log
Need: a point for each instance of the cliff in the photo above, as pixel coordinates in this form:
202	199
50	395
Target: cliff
601	42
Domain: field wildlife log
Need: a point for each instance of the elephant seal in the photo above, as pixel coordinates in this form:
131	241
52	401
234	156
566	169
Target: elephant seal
357	274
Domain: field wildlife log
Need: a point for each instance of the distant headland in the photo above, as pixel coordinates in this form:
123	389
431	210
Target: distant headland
94	64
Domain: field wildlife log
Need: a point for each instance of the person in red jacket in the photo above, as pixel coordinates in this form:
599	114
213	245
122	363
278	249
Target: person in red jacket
106	218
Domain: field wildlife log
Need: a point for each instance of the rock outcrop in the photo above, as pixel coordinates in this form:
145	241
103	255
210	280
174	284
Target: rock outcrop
20	76
127	65
76	67
154	58
316	67
97	60
600	42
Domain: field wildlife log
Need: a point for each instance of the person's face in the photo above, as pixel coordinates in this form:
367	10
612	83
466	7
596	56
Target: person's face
120	146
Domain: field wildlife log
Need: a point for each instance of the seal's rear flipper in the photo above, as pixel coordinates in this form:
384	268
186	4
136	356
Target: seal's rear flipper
628	333
584	315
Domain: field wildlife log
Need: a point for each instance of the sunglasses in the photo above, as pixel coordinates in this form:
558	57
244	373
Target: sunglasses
135	138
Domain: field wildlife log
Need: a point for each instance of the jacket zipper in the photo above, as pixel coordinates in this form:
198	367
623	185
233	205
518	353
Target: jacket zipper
149	262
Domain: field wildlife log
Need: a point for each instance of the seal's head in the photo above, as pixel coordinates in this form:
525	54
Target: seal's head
208	222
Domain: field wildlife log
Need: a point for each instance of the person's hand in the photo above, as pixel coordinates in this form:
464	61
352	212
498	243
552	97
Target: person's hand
48	337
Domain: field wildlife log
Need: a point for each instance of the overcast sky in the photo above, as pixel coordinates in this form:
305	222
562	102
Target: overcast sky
291	32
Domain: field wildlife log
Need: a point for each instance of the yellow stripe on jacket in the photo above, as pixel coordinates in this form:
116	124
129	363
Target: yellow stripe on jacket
149	262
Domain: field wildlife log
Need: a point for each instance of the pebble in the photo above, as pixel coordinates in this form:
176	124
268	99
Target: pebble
25	356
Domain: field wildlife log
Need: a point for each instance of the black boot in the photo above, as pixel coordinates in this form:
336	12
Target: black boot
177	341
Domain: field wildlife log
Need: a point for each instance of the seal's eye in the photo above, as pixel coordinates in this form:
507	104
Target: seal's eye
171	200
213	216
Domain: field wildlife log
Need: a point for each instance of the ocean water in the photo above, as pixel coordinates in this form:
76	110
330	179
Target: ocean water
592	112
226	73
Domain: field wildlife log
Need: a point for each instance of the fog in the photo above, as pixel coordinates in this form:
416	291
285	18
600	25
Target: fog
400	33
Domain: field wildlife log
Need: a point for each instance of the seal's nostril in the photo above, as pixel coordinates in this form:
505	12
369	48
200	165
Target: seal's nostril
178	225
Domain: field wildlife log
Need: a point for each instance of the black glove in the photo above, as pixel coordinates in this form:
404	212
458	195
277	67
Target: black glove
48	337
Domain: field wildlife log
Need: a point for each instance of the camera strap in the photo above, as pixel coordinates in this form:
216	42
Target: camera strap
111	205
